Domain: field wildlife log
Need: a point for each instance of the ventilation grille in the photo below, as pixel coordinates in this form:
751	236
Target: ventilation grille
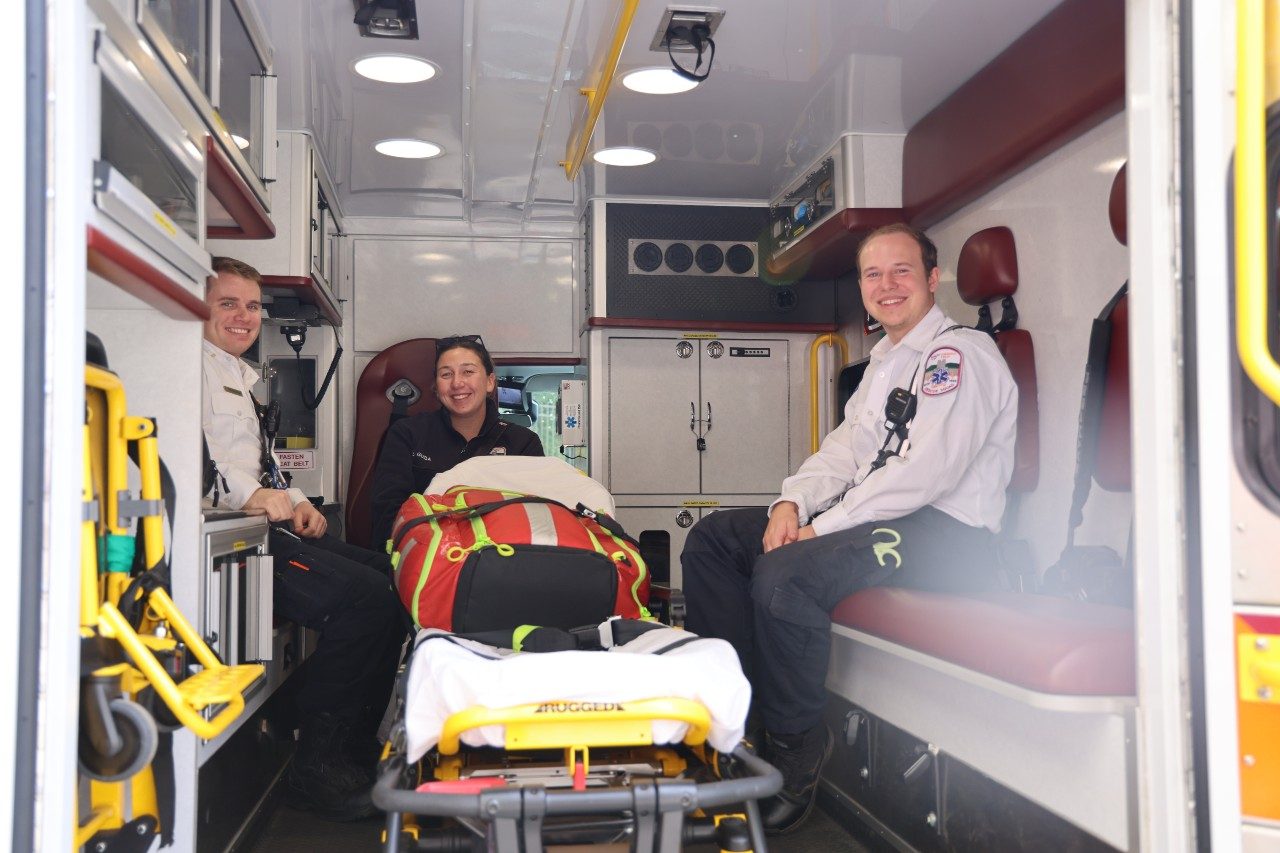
732	258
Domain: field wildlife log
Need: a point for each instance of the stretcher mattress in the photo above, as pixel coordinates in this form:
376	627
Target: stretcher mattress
448	675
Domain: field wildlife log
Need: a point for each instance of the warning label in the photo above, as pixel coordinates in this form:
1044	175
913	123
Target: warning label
296	460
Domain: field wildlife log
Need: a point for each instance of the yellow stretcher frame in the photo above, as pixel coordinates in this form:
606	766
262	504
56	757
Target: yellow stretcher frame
575	726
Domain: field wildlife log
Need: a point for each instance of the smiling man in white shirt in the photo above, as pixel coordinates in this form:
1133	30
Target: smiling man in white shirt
339	590
907	490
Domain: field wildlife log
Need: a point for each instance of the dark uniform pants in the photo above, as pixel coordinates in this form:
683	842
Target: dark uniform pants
774	608
345	593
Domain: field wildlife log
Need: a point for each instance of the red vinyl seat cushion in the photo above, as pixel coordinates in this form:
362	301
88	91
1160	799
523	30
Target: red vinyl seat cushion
1020	354
1049	645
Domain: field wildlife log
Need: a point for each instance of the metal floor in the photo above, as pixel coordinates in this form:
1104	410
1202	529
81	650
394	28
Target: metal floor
288	831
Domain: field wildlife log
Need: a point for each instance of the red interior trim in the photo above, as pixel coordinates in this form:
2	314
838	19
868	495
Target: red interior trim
225	184
707	325
132	274
1062	77
305	288
828	250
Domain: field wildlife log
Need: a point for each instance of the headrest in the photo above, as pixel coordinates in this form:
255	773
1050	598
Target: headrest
1116	206
988	266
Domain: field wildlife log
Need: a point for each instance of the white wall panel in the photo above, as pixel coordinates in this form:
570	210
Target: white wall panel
1069	265
519	294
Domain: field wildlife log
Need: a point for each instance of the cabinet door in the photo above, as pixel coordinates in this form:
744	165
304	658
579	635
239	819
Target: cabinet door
746	384
661	532
651	390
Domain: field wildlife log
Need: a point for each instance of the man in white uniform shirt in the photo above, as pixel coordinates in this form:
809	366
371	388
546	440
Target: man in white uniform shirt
868	508
342	591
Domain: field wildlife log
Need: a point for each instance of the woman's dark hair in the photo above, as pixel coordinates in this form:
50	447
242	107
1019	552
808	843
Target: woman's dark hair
467	342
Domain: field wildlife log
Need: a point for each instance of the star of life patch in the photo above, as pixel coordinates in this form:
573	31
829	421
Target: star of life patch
941	371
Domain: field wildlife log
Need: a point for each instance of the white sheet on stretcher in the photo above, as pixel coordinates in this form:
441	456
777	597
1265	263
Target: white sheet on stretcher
452	675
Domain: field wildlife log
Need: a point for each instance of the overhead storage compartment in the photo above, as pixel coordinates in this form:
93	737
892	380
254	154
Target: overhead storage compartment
816	222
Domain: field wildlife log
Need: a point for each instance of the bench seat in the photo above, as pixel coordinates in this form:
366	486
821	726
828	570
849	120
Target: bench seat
1043	644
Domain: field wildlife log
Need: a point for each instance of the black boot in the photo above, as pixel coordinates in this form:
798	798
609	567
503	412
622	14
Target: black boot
362	746
321	779
800	758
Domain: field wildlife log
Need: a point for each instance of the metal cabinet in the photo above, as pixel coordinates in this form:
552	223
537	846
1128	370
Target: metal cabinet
690	415
692	423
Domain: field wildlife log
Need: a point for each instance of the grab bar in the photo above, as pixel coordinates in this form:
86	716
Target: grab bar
596	95
1251	215
834	340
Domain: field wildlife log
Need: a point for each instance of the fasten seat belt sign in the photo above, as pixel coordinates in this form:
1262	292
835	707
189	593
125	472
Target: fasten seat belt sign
296	460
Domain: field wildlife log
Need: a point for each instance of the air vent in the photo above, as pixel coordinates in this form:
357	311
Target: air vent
710	141
679	257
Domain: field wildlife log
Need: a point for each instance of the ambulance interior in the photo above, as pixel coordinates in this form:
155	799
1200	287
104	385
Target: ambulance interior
679	330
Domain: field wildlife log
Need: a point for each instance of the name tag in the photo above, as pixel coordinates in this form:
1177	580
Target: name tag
231	390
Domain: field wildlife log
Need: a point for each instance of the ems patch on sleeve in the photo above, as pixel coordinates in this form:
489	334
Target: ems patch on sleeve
941	371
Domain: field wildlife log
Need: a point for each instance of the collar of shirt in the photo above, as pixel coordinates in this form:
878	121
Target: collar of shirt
918	338
231	363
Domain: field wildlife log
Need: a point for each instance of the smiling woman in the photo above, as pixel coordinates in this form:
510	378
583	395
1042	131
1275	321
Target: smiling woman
428	443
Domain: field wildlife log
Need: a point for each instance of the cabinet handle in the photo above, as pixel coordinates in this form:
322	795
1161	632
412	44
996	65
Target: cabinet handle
684	349
694	422
684	518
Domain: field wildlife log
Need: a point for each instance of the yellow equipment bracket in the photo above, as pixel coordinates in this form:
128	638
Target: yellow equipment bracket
838	342
579	724
216	684
117	452
580	138
1251	215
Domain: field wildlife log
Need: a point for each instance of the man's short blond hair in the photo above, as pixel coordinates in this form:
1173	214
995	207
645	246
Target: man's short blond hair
232	266
928	251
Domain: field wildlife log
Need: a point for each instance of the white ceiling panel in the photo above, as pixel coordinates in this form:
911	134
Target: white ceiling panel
790	77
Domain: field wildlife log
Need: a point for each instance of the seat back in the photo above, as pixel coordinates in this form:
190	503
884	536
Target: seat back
988	272
412	360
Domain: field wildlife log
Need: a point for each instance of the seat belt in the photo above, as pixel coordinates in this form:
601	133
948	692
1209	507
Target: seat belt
1091	396
402	396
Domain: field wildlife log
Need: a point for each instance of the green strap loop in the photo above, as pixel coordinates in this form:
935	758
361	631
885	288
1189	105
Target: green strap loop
519	634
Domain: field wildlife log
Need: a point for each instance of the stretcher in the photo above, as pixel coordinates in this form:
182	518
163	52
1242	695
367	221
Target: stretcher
633	737
637	745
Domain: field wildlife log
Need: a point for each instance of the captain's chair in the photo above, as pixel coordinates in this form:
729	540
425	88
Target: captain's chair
398	380
987	272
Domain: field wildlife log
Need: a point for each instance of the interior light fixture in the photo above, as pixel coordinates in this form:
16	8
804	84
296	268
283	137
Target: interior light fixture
411	149
240	141
624	155
394	68
657	81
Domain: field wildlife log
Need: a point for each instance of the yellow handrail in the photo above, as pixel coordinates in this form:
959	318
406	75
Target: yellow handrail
837	341
579	139
1252	315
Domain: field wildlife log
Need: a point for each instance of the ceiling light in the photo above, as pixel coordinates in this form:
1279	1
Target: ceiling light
413	149
657	81
625	156
394	68
240	141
